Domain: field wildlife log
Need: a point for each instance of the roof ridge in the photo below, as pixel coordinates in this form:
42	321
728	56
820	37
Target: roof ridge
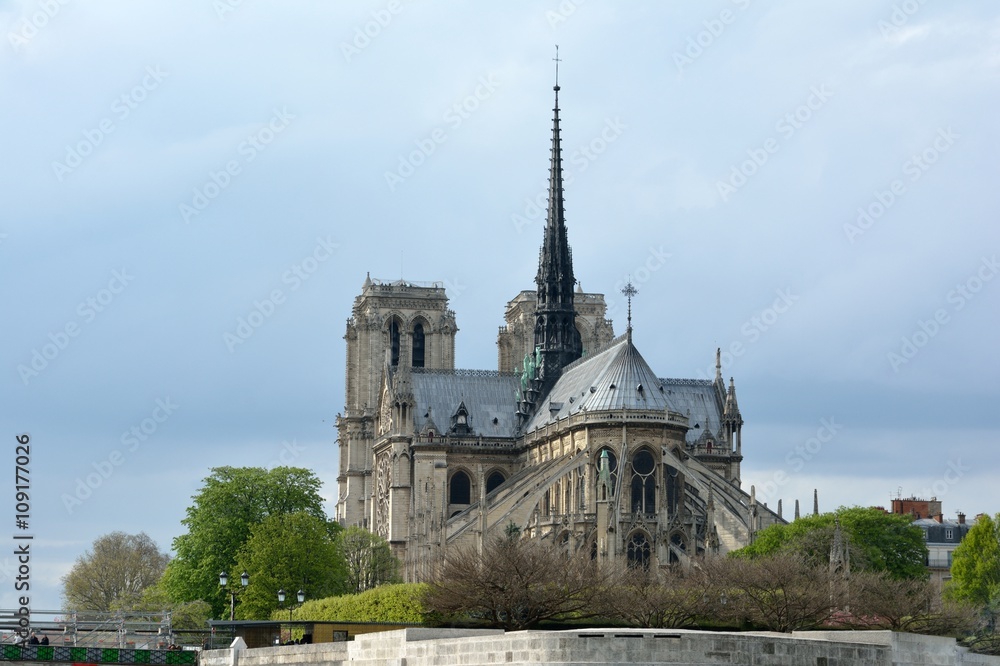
597	352
675	381
462	372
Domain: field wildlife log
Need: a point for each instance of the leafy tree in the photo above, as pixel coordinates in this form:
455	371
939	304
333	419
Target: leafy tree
291	552
231	501
975	569
114	572
369	560
878	541
402	602
516	583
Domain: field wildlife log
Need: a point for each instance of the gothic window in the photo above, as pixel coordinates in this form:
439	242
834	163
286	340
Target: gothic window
580	488
394	343
678	541
612	471
643	483
460	489
673	485
638	550
494	481
676	545
418	345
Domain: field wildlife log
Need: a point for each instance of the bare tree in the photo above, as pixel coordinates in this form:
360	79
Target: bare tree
517	583
114	573
664	598
877	601
781	592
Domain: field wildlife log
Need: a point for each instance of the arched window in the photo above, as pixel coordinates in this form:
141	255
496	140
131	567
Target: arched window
418	345
643	484
676	544
673	484
612	472
494	481
638	550
460	489
394	343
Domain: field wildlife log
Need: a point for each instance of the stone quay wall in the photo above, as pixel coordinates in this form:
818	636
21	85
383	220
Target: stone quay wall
474	647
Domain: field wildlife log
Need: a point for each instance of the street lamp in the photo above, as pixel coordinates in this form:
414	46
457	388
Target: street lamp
224	581
300	596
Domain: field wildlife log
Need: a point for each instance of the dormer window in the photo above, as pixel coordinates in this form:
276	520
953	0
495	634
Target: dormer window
460	421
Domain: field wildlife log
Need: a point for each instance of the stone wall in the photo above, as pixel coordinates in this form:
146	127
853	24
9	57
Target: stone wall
433	647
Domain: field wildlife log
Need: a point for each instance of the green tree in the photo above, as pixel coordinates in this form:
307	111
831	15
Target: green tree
975	569
114	572
401	602
231	501
291	552
369	560
878	541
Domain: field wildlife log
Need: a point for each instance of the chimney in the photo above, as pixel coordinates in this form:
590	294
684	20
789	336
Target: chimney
961	518
938	517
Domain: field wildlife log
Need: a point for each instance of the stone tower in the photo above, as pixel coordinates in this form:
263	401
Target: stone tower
393	325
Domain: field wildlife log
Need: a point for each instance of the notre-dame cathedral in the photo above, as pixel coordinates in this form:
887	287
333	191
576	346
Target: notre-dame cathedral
573	439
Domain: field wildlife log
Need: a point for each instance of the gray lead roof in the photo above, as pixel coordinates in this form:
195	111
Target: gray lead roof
695	398
487	396
616	377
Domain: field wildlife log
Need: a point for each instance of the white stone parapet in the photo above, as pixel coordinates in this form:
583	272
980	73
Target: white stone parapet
474	647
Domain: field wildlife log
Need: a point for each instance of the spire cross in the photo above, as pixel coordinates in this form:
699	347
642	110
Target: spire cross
557	60
628	291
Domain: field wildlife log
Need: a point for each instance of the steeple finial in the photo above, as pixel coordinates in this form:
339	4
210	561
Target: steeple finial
557	60
718	364
628	291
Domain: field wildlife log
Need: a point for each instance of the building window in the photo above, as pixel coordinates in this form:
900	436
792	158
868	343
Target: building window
460	489
494	481
638	550
673	486
418	345
612	472
394	343
949	534
643	483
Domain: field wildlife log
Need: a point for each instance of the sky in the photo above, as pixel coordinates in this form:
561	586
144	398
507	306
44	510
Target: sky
195	191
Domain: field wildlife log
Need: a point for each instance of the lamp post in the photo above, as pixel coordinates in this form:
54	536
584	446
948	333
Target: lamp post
300	596
224	582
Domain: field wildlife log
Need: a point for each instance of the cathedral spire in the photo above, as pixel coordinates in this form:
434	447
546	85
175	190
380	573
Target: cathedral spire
556	335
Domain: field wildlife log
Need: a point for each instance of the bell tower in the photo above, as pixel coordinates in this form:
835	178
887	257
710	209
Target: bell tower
393	325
